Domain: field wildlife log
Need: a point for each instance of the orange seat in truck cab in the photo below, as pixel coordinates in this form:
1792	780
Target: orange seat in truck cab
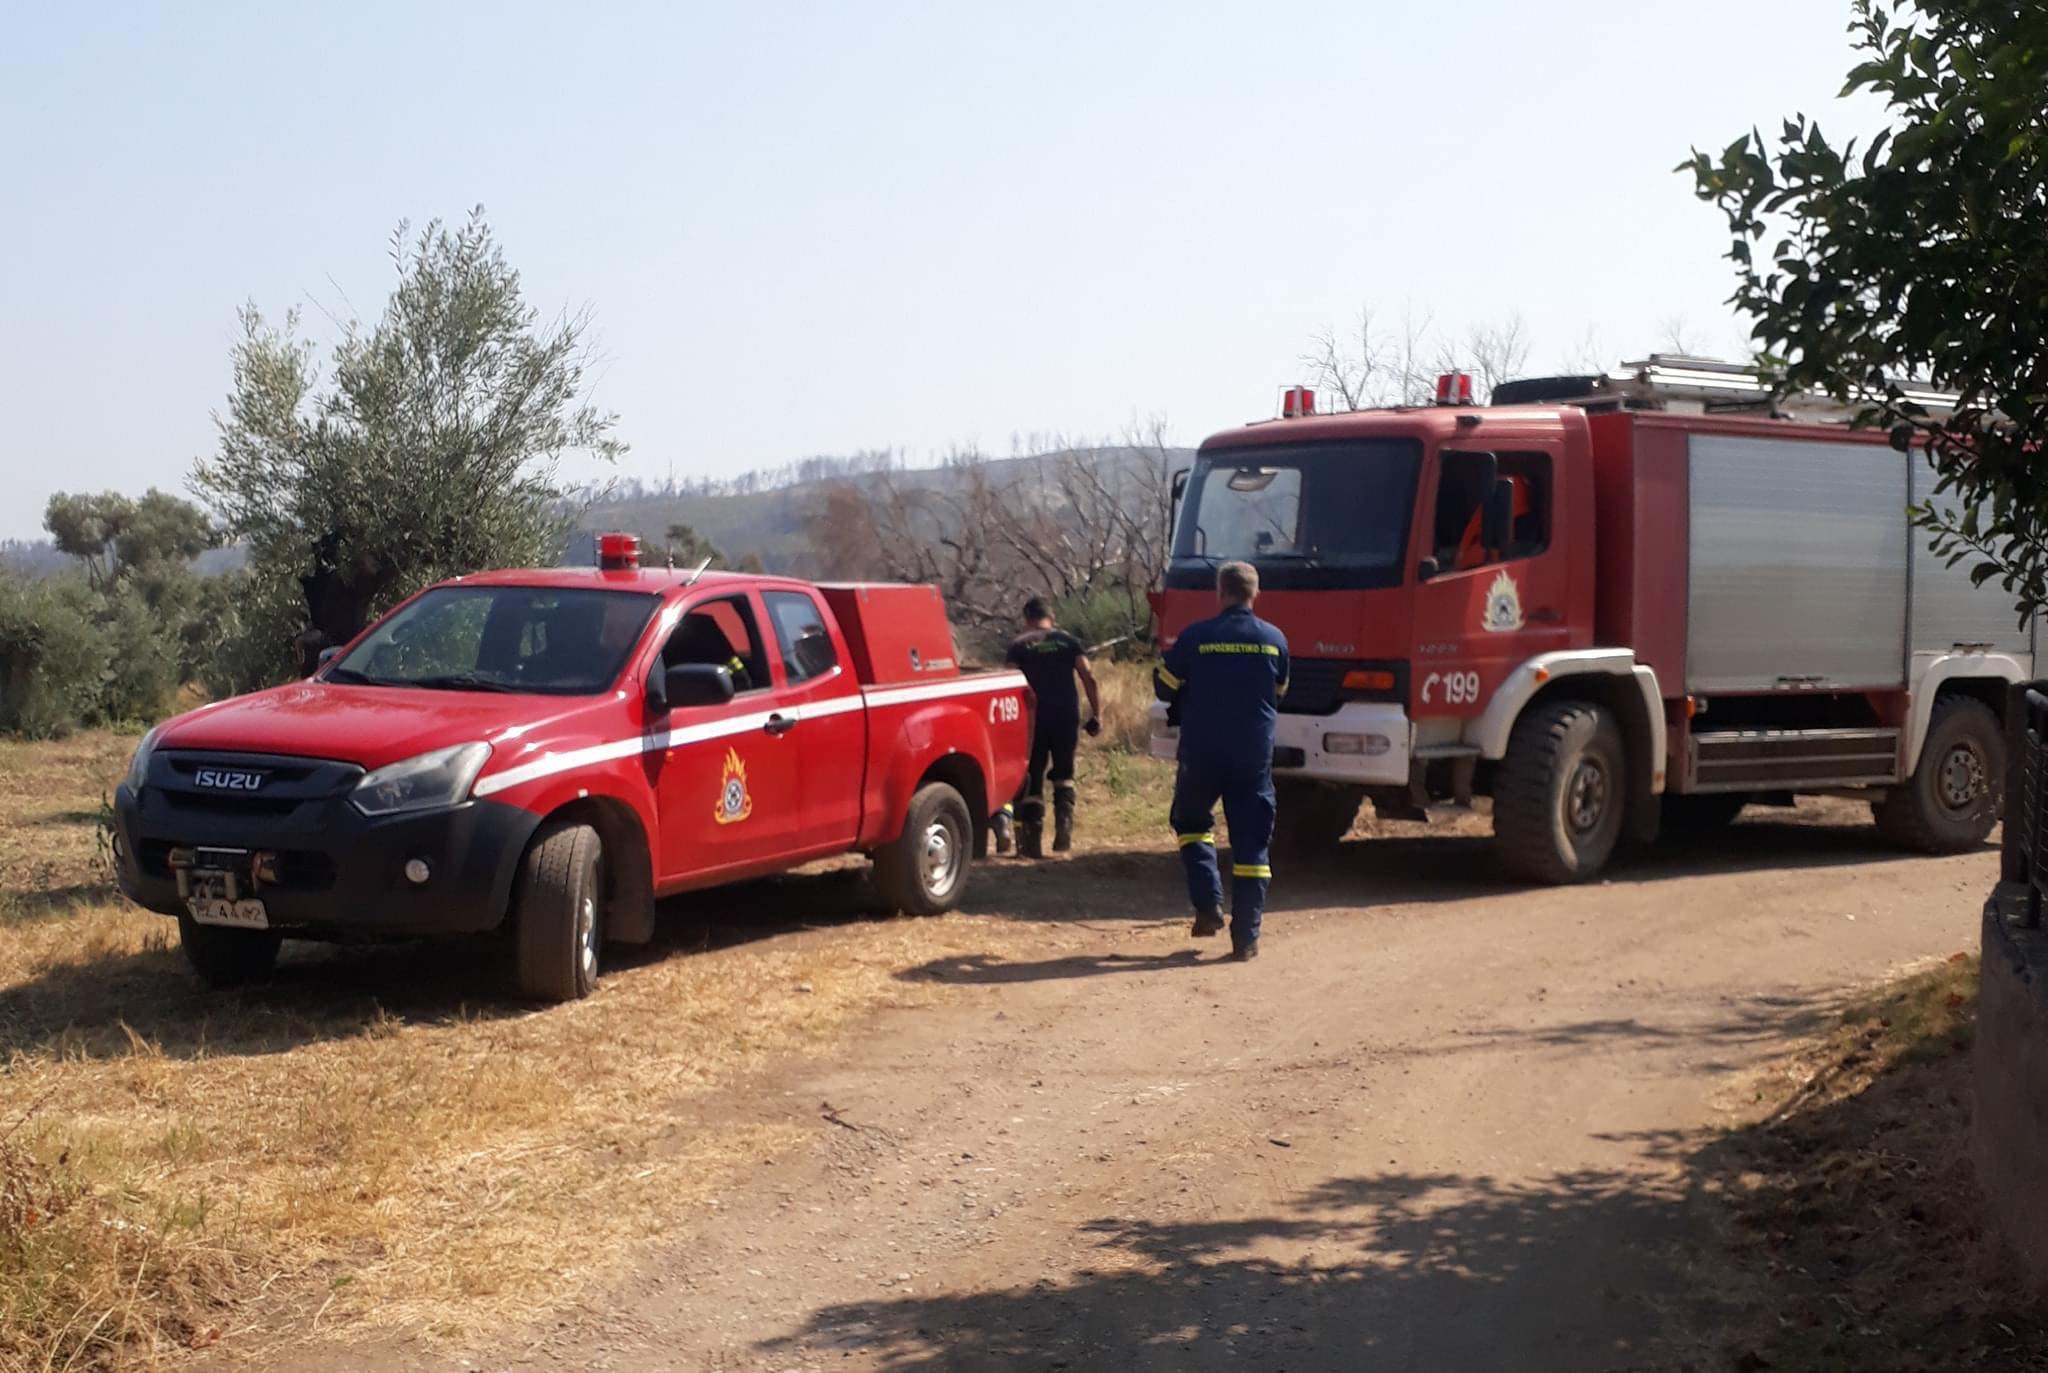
1472	551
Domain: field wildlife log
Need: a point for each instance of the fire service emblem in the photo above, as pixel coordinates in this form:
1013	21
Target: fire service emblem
734	805
1503	606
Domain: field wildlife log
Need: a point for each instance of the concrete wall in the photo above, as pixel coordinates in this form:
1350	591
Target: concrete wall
2010	1065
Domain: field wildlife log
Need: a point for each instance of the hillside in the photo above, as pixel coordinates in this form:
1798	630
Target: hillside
770	523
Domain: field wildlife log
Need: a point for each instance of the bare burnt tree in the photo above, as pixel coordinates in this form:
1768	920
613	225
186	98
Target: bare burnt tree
1084	525
1499	351
1376	365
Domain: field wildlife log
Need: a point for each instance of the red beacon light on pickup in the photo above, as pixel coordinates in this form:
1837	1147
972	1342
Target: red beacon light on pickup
1454	388
618	552
1297	402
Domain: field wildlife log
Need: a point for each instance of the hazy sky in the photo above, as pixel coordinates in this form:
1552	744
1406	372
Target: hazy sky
816	229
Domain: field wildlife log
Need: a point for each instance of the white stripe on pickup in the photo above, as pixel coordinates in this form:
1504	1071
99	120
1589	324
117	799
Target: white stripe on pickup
550	764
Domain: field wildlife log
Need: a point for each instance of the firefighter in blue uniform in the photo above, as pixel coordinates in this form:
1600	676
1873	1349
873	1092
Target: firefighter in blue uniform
1222	681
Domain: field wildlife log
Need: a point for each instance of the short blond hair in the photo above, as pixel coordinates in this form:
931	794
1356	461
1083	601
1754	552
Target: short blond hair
1238	582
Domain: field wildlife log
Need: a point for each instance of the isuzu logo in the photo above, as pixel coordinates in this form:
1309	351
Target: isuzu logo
226	779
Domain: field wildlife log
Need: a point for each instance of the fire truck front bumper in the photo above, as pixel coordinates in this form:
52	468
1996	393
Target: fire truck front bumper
1363	743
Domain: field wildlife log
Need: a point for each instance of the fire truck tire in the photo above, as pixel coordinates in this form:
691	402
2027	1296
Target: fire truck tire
1561	793
225	957
1702	814
1952	800
1312	818
925	870
558	912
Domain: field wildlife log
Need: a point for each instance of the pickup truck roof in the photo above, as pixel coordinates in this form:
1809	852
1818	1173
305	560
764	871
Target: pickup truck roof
653	580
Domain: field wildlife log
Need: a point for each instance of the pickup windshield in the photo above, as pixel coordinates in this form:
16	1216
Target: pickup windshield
545	640
1308	516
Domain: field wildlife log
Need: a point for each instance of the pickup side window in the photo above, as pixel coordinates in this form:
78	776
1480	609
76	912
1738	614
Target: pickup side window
807	650
721	633
1461	490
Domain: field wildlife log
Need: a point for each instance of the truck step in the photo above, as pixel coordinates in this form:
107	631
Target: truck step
1783	759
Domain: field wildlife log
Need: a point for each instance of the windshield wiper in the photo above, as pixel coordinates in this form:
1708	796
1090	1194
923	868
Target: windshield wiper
455	681
1305	559
348	676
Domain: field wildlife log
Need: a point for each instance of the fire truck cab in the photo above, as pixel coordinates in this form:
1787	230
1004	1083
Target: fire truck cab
1610	603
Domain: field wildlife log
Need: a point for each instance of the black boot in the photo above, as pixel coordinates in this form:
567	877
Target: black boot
1208	921
1001	831
1062	818
1030	839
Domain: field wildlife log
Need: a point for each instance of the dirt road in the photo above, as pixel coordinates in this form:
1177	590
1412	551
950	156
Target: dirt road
1442	1124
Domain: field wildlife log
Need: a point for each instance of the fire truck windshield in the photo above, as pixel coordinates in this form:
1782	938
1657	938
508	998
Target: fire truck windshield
1308	516
547	640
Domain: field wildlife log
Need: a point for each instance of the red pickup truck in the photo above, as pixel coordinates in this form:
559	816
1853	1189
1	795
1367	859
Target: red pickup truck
549	751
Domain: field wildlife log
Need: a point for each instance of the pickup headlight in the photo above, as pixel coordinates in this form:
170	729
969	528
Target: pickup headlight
432	780
138	766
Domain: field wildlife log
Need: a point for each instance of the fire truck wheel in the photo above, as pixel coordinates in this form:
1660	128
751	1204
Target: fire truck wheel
1953	797
1312	818
225	957
558	910
924	871
1561	792
1702	814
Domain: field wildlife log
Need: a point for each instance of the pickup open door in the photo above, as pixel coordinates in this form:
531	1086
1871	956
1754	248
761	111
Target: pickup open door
727	785
832	730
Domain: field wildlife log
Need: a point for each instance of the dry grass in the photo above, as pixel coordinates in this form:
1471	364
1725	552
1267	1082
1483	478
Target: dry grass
1126	704
1857	1221
378	1138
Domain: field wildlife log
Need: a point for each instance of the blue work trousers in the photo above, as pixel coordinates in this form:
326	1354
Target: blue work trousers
1247	796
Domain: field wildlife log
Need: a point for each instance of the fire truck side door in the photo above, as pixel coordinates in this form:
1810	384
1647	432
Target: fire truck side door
727	785
1484	610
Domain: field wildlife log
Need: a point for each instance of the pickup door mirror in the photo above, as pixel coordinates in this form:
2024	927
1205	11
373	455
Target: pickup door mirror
688	684
328	655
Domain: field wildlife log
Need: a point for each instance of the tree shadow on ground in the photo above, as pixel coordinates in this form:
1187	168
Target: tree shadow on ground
1387	1271
1843	1231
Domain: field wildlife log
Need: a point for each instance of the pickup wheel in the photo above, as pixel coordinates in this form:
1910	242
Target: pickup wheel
1952	799
558	912
226	957
1560	795
924	871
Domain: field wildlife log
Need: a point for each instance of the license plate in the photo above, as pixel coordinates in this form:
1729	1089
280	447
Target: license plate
246	914
209	904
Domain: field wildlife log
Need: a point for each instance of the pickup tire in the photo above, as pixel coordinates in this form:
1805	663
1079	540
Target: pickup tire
924	871
1561	793
227	957
1952	799
558	912
1312	818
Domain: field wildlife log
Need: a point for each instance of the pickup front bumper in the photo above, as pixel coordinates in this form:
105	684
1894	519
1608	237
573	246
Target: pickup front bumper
1364	743
326	870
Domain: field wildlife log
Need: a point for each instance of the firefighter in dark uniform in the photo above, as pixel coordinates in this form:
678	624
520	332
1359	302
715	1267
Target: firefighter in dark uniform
1222	681
1050	659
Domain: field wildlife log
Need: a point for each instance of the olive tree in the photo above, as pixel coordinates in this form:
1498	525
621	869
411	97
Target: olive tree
430	449
1918	257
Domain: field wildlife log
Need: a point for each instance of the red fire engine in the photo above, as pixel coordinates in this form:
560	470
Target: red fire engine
547	751
1610	603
